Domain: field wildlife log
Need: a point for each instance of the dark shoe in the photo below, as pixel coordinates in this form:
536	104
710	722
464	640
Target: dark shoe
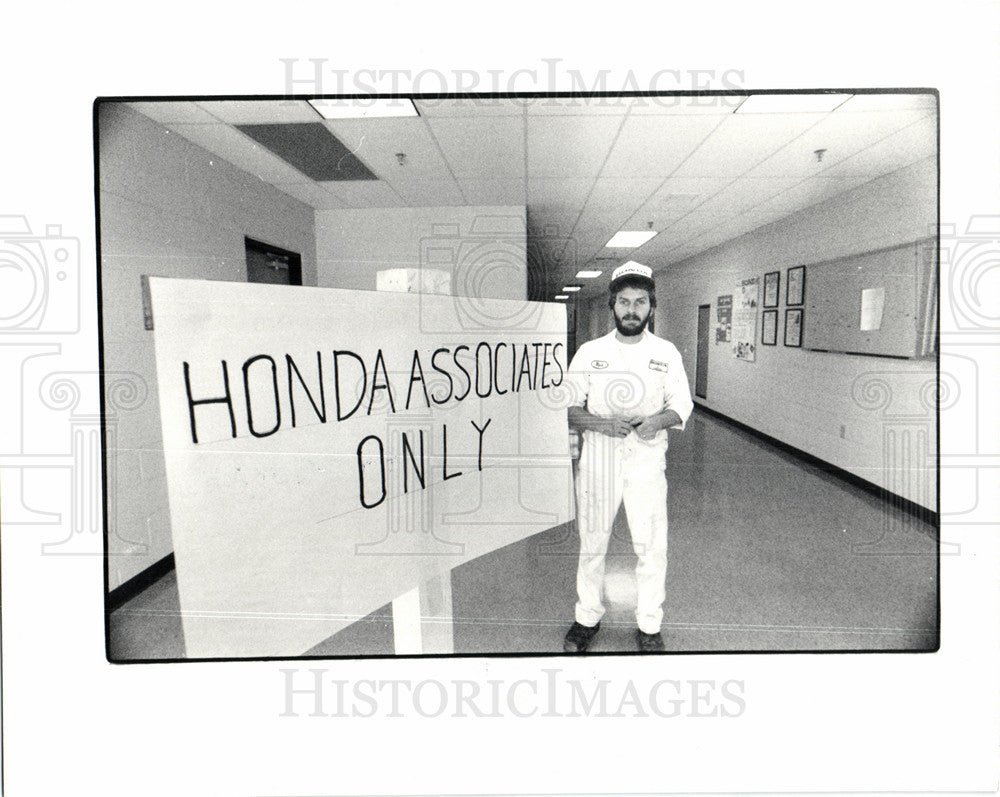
649	643
578	637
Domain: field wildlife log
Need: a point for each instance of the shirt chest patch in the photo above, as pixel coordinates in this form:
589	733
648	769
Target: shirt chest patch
657	365
599	364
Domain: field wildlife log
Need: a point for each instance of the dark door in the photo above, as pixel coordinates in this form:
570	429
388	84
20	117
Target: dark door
701	363
272	265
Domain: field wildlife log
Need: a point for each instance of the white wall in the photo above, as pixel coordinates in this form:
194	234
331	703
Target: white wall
483	247
809	399
167	208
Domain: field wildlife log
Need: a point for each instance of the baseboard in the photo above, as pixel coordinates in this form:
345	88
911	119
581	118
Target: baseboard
119	596
896	501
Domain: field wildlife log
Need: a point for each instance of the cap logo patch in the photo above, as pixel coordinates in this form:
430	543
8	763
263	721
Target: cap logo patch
599	364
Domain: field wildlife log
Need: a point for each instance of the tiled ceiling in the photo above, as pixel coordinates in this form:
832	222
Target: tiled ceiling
689	168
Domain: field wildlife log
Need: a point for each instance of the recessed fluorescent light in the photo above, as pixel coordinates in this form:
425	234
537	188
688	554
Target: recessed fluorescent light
628	239
571	287
562	296
792	103
586	275
364	108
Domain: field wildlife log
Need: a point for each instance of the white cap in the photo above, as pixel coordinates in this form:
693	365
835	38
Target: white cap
632	267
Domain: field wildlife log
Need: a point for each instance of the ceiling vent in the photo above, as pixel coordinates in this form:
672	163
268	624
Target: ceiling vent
312	149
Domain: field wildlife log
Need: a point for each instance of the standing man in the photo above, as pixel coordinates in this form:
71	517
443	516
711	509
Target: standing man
629	388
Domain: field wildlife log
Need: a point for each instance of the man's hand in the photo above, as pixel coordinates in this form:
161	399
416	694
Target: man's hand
614	427
647	429
620	427
579	418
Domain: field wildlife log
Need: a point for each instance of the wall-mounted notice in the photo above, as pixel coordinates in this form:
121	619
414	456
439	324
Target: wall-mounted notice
724	319
326	454
745	321
872	303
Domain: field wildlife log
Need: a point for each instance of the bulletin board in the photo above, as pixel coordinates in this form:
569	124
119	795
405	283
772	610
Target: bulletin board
874	303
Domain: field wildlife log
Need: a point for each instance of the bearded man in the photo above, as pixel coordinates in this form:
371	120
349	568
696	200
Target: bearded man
629	387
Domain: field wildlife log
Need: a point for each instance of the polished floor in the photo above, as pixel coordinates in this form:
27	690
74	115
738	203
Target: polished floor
766	553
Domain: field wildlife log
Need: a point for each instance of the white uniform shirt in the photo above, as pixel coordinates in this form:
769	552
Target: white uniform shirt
610	378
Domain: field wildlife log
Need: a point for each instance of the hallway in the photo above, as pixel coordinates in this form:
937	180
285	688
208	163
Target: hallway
766	553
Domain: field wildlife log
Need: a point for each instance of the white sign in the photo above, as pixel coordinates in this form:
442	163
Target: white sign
325	454
872	303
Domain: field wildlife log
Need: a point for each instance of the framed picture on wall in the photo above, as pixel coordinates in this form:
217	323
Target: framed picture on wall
769	331
795	291
772	283
793	327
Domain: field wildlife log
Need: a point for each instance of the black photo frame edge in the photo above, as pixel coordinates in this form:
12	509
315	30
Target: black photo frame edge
788	312
763	326
777	290
788	284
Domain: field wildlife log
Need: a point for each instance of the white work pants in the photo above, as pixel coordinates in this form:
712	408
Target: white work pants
612	472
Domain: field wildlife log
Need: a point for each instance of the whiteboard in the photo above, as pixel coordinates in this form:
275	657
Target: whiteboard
869	303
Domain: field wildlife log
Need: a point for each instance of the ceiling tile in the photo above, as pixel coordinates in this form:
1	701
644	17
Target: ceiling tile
600	224
806	194
241	151
312	194
493	192
377	141
586	168
569	146
675	198
260	112
691	225
623	192
167	112
841	135
885	102
909	145
650	146
745	193
743	141
312	149
477	147
566	191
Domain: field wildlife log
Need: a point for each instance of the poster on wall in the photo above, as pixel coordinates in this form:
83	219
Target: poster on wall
328	451
724	319
745	321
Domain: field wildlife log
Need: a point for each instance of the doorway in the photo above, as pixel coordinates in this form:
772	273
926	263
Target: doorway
272	265
701	361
